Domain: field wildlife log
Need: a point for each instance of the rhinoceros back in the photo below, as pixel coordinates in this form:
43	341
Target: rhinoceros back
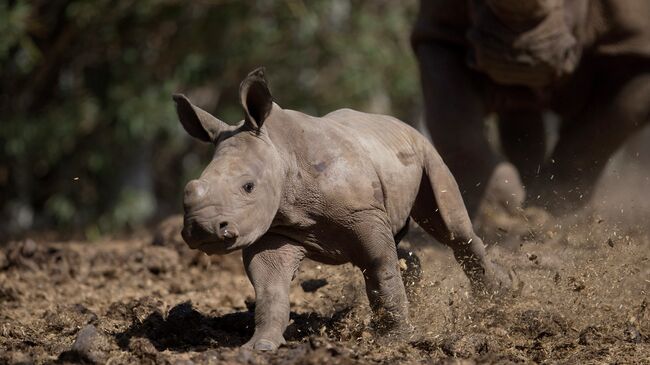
395	150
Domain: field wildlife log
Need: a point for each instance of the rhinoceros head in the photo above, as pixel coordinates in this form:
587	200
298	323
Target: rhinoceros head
236	197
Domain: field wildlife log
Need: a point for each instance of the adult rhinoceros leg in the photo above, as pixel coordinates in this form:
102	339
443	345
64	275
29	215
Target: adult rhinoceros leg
620	107
270	264
455	115
523	140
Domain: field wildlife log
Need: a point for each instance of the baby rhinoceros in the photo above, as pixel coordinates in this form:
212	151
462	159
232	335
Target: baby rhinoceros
283	185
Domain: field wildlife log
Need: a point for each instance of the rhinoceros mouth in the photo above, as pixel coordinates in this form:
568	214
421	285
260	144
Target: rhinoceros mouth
217	247
213	248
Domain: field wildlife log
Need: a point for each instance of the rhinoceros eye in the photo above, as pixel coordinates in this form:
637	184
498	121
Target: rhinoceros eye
248	187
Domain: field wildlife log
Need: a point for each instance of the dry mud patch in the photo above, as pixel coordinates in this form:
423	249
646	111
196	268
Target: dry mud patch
583	299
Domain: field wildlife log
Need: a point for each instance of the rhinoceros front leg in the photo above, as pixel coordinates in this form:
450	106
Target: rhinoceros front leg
379	263
523	140
455	112
270	265
585	144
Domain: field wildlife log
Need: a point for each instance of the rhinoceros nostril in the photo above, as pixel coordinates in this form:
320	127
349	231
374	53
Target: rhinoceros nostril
227	231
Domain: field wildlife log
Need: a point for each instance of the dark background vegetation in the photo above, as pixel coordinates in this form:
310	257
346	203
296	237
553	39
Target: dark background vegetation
89	140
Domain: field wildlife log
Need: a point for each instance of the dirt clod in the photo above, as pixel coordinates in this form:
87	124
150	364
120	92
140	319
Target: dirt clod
465	346
576	284
89	347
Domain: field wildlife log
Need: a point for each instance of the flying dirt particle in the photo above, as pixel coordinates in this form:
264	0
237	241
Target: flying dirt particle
589	335
632	334
607	308
575	284
532	257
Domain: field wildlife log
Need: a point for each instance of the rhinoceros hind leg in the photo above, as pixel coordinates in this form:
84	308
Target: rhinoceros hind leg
439	210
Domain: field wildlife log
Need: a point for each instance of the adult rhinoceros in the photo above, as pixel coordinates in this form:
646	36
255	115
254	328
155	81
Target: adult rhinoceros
587	61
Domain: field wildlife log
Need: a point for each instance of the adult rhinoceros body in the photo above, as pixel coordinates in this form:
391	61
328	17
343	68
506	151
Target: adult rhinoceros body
586	60
284	185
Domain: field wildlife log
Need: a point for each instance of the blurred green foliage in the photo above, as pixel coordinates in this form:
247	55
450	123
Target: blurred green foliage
89	139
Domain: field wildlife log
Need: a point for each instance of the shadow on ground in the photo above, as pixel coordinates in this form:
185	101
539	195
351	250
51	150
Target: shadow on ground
185	329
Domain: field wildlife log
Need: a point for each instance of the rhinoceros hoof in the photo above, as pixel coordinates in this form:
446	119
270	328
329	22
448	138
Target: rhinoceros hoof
498	281
263	344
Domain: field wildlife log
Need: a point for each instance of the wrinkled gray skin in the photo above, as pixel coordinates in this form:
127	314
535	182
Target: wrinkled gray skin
588	61
283	186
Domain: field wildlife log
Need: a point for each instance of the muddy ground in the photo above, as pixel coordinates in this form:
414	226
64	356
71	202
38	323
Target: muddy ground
583	299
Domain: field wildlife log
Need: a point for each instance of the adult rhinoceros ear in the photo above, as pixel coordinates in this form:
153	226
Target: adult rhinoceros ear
197	122
256	98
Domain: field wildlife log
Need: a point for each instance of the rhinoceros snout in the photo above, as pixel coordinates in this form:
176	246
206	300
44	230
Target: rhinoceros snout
206	236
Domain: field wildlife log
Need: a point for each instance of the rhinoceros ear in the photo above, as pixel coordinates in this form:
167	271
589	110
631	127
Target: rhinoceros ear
197	122
256	98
